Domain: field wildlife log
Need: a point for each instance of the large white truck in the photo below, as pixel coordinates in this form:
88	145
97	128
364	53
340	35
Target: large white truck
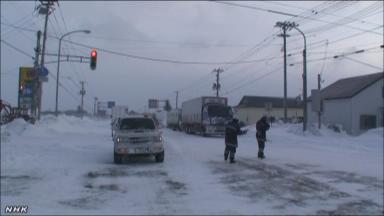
205	115
174	119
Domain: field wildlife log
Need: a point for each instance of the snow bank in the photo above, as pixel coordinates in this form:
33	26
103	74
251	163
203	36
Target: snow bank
51	126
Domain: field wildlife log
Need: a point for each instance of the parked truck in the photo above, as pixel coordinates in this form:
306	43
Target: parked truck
205	115
174	119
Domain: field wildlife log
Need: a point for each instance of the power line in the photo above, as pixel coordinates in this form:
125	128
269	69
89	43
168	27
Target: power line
20	22
363	63
75	67
18	27
17	49
292	15
345	20
252	81
25	29
339	56
321	12
161	60
334	41
242	56
257	8
198	45
64	88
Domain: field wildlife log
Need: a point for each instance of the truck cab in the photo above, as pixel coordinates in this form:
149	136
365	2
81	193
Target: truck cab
137	135
215	116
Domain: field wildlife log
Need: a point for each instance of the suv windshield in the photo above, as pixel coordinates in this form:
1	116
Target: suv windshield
137	123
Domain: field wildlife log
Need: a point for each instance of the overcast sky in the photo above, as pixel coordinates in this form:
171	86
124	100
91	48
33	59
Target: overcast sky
207	34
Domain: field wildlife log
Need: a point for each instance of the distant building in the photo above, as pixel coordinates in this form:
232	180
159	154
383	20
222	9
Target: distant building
251	108
355	103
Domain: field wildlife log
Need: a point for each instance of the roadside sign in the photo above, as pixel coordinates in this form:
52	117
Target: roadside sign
43	74
153	103
111	104
27	80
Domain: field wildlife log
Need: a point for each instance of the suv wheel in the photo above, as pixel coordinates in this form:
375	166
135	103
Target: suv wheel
117	158
160	157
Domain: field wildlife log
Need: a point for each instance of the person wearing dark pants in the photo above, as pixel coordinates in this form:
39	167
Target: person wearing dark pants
261	135
232	129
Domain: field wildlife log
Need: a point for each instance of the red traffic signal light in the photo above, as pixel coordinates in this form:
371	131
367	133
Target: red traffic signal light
93	59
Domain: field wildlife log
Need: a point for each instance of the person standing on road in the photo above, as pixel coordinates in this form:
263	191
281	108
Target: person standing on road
232	129
261	126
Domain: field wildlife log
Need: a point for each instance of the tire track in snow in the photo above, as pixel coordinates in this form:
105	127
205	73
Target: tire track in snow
289	189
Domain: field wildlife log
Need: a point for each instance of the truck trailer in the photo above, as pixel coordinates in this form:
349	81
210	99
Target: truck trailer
174	119
205	115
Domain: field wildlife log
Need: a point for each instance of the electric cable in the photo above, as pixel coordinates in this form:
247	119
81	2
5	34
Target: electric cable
291	15
17	49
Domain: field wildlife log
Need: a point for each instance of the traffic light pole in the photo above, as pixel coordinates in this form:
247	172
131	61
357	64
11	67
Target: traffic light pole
94	107
304	79
319	113
58	66
82	93
177	98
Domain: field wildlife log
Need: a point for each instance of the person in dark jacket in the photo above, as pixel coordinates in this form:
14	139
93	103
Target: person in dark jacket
232	129
261	126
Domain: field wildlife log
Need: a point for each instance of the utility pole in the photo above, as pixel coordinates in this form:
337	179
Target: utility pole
284	26
318	87
216	86
82	93
94	106
288	26
177	97
35	83
45	11
304	77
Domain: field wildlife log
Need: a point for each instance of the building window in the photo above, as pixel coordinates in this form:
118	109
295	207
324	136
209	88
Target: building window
367	122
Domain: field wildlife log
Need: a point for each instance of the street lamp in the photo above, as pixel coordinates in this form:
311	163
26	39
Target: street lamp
304	78
58	64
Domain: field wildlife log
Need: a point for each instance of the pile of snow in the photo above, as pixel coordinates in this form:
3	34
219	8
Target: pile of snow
51	126
14	128
71	161
17	126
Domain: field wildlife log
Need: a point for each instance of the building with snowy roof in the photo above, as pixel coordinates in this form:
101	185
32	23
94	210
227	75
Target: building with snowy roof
355	103
251	108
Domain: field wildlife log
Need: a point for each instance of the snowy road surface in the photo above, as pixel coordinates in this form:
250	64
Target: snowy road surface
65	166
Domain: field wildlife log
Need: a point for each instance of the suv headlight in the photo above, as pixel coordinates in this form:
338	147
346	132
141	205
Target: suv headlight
158	138
118	140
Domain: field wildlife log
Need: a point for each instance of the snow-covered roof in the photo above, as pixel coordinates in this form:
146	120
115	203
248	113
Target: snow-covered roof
261	101
349	87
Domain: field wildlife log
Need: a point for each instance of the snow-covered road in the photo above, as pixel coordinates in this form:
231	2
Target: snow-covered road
65	166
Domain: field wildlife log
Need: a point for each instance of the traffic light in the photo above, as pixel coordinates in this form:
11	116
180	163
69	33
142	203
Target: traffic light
93	59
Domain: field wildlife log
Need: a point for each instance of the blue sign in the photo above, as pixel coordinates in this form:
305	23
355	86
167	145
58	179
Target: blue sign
43	72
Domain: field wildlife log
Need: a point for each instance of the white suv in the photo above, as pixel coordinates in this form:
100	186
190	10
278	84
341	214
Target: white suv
137	135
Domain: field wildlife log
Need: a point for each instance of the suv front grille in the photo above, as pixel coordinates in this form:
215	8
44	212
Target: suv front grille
138	140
